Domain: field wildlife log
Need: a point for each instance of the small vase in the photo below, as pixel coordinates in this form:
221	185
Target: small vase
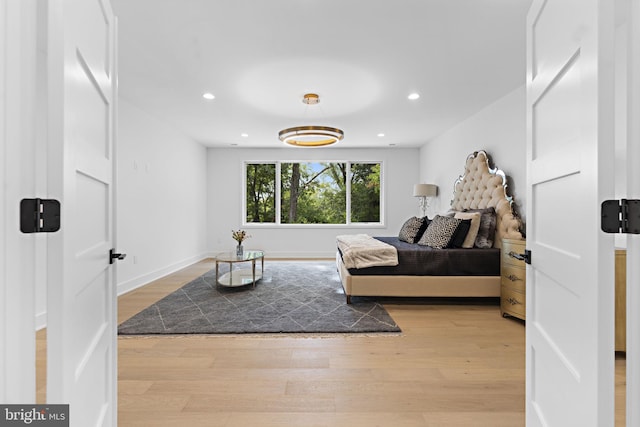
239	250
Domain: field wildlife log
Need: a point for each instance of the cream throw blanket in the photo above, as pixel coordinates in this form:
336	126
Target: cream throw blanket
362	250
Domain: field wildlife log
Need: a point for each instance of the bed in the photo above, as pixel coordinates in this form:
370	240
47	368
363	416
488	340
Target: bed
480	188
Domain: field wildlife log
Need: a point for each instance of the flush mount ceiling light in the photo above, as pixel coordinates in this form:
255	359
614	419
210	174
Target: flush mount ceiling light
311	136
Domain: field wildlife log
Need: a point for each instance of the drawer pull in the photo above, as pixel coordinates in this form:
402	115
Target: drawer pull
513	278
519	257
513	301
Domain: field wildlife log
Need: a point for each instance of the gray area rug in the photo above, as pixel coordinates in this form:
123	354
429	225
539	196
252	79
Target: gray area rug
291	297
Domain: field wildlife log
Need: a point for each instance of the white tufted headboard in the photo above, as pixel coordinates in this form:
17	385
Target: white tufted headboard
482	187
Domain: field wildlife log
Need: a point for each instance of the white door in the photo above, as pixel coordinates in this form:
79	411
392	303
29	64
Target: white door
633	241
82	320
570	287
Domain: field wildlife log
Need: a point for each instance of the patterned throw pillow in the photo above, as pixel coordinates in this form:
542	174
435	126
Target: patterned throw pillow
487	229
412	229
439	232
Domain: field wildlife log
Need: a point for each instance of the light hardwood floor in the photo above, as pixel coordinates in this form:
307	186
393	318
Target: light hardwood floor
453	365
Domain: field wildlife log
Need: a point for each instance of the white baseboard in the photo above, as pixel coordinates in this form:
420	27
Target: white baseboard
286	254
41	320
129	285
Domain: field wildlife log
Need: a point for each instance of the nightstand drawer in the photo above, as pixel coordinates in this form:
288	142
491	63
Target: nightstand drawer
514	278
511	249
513	303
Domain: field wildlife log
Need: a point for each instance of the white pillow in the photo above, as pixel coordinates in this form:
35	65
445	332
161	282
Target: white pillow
473	229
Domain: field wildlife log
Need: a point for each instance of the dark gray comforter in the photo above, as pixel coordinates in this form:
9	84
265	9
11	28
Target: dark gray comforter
418	260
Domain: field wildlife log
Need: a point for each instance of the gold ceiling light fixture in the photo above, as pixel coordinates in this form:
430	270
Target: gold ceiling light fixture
311	136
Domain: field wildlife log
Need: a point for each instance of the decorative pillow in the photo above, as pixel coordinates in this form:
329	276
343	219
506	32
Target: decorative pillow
487	229
460	234
470	239
439	232
412	229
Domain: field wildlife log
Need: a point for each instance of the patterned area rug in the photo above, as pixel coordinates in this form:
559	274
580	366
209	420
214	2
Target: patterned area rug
291	297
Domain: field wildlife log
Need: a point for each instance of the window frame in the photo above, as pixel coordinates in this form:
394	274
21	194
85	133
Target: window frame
278	204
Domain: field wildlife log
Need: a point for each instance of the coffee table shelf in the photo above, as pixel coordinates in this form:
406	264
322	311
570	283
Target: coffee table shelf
240	276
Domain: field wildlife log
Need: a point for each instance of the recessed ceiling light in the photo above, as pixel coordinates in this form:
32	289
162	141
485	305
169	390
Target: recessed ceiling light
414	96
381	135
208	96
244	135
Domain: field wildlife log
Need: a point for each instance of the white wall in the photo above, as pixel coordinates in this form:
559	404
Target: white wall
161	198
225	169
500	130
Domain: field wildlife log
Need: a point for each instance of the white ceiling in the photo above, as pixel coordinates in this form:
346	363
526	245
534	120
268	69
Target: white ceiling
363	57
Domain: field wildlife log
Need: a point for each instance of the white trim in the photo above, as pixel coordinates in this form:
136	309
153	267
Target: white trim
112	414
270	255
17	142
633	241
41	320
147	278
3	205
277	195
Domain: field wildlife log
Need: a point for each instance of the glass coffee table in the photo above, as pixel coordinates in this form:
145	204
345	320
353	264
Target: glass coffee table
240	277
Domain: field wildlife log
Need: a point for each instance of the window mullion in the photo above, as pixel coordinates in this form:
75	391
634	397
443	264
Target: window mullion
278	194
348	194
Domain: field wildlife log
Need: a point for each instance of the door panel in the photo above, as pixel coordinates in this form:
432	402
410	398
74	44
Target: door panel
558	100
553	35
569	169
91	123
82	309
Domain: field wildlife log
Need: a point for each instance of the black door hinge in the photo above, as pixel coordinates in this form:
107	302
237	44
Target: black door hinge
39	216
620	216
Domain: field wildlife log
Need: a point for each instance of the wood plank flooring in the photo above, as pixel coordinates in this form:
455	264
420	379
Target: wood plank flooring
454	364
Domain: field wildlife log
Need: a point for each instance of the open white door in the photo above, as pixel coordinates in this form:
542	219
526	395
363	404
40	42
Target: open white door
570	155
82	322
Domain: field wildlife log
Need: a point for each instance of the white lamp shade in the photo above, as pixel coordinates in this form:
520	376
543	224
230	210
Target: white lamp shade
425	190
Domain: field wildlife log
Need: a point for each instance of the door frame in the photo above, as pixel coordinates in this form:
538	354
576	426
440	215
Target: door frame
18	118
633	242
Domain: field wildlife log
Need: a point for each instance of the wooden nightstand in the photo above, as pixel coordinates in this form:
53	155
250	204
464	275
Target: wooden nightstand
513	280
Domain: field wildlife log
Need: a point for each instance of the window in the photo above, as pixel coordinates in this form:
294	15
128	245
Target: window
365	192
313	192
260	192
